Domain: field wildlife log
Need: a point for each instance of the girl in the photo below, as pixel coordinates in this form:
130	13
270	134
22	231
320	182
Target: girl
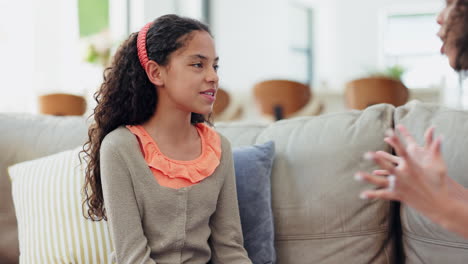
420	178
162	178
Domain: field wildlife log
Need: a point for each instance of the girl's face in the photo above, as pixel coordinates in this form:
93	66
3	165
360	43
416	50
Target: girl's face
190	78
448	32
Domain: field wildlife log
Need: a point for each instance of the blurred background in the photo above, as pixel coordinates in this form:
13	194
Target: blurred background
335	54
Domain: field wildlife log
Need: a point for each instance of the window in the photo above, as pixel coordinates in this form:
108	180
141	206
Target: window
300	43
410	41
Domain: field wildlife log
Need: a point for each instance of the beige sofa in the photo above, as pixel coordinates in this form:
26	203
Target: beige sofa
317	213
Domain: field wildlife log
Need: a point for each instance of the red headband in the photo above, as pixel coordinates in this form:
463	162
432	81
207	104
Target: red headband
141	45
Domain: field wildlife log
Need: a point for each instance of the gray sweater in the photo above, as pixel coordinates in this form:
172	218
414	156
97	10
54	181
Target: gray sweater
150	223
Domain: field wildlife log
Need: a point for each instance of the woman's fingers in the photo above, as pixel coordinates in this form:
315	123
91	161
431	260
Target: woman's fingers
379	194
389	156
435	146
428	136
383	162
381	172
378	181
404	132
396	144
384	184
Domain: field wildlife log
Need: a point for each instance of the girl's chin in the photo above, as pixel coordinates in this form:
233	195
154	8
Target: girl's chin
205	113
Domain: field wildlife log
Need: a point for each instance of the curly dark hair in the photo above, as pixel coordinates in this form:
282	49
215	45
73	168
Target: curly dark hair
127	97
459	26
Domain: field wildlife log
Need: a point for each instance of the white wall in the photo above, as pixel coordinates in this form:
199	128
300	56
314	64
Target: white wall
252	38
325	42
157	8
358	36
17	57
56	35
141	12
38	51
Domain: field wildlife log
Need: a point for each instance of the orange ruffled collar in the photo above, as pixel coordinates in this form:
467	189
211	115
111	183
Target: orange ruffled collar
193	171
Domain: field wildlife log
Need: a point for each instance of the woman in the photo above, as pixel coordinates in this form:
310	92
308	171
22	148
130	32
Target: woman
418	176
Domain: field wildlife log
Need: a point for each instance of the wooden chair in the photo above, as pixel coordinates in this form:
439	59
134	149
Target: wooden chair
226	107
361	93
285	99
62	104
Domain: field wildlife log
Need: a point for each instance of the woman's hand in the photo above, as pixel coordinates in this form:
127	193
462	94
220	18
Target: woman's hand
418	177
390	158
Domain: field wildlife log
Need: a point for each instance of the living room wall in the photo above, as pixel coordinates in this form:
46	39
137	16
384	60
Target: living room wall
251	37
254	33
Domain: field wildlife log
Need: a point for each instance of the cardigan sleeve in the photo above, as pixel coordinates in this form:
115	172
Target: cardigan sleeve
226	239
124	221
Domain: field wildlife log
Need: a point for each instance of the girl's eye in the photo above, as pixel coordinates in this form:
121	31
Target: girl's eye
197	65
216	67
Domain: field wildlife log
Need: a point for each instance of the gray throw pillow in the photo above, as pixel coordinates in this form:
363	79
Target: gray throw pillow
253	170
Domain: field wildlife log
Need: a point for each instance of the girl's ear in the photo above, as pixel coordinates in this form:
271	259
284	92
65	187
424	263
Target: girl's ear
154	72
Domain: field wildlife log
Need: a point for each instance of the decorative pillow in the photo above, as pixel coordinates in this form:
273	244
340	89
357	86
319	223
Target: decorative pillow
253	170
51	227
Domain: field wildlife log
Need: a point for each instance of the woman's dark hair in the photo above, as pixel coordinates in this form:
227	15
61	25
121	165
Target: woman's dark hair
127	97
459	26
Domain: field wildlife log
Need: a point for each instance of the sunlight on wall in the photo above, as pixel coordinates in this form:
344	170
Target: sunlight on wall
39	51
16	51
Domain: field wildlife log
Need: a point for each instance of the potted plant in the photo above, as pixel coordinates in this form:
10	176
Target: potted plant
378	87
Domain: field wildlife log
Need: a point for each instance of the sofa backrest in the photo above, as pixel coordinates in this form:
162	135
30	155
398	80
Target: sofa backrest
26	137
317	213
424	241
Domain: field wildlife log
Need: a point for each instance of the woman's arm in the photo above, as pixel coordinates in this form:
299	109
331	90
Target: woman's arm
420	180
454	214
129	241
226	239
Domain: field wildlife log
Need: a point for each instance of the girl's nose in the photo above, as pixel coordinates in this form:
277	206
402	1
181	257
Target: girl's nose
212	76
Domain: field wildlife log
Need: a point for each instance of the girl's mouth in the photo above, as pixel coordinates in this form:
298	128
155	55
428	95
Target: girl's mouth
209	95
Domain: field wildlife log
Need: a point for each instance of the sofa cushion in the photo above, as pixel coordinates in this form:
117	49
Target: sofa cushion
26	137
424	241
253	171
240	133
51	226
319	217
